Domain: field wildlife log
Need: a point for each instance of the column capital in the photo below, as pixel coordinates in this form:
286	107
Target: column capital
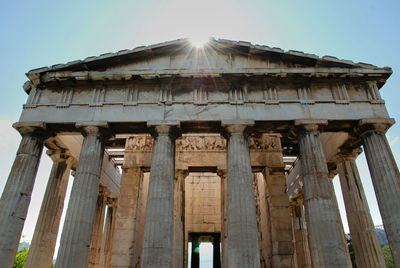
380	125
181	173
309	125
94	128
240	126
164	127
111	201
31	128
347	153
59	155
222	173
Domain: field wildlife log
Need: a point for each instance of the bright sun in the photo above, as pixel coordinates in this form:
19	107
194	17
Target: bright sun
199	41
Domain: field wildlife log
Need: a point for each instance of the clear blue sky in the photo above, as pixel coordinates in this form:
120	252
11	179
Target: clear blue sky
41	33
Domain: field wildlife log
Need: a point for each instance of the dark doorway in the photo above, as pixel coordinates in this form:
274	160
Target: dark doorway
196	239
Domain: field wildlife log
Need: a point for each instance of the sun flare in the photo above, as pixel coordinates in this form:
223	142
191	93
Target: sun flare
199	41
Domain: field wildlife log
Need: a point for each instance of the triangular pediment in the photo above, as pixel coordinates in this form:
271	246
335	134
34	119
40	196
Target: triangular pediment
216	54
216	57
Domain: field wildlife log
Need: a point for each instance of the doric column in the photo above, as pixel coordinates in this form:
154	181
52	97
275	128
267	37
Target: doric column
179	218
44	238
331	175
325	237
16	196
385	178
98	225
242	221
224	218
109	225
367	249
300	236
216	252
78	226
158	230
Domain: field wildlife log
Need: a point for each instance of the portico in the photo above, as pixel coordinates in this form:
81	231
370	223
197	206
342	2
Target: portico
207	141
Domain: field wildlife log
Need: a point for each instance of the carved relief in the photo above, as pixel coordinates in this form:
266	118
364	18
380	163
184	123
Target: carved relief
265	143
201	143
144	143
139	143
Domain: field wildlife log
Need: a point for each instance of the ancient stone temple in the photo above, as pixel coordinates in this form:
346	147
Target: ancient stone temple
233	144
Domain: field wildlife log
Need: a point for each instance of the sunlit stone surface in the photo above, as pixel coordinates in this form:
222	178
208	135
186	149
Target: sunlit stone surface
227	143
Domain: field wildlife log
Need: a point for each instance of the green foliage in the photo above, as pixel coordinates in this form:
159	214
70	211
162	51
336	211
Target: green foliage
20	259
388	257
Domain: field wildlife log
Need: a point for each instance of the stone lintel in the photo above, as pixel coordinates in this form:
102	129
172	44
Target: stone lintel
100	124
374	124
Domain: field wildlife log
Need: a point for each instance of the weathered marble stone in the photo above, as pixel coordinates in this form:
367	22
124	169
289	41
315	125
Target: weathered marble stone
302	250
242	221
158	232
98	226
367	249
179	218
44	239
78	226
385	178
325	237
16	196
109	227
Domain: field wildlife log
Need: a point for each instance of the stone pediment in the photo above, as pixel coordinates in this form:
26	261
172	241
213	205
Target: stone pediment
217	58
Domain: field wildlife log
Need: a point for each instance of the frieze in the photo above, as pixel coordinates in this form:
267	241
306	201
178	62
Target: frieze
201	143
144	143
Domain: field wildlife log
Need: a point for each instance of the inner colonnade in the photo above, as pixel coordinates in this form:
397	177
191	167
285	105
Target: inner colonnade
234	144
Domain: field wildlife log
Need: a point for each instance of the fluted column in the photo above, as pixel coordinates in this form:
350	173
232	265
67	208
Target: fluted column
179	218
325	237
385	178
242	221
16	196
78	226
106	247
158	230
98	226
44	238
367	249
